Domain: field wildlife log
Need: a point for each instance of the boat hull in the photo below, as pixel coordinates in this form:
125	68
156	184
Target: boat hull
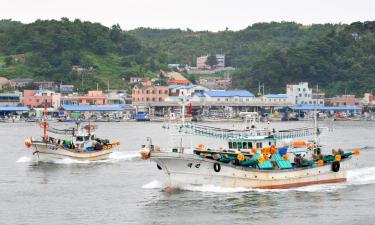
47	152
188	169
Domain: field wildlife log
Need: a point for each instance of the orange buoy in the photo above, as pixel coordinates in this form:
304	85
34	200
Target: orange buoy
299	143
266	157
285	156
240	157
320	162
28	143
273	149
356	152
261	159
201	146
337	157
254	150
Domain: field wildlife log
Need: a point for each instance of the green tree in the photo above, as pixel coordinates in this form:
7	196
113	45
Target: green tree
211	60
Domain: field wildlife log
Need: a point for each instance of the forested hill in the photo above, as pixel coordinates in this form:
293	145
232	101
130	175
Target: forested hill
338	57
49	49
242	48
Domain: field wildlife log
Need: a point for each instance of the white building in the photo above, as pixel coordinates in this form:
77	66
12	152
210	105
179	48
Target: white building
275	98
202	62
301	94
220	58
224	96
185	90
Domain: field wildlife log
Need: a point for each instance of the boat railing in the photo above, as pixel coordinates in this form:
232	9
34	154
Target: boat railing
223	133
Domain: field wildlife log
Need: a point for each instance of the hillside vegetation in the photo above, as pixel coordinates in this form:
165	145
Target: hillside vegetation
335	56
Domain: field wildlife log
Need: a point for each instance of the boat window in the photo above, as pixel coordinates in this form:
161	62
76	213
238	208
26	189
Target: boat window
235	145
250	144
260	145
230	145
269	143
239	144
87	138
244	145
92	137
79	138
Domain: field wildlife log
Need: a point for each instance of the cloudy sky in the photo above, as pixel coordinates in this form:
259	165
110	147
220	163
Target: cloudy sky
195	14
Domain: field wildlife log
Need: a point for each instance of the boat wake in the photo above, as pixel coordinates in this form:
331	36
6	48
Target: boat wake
113	158
361	176
26	159
155	184
212	188
127	156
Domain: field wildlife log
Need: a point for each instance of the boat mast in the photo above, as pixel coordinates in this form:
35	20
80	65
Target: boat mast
45	124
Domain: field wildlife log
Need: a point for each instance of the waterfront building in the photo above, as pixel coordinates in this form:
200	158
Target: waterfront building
275	98
10	99
368	99
38	98
346	100
185	90
225	96
149	93
91	98
301	94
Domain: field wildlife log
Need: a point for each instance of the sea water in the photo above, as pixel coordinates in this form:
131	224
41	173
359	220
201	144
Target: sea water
126	190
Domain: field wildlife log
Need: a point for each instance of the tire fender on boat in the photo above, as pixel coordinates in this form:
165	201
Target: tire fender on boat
217	167
159	167
335	166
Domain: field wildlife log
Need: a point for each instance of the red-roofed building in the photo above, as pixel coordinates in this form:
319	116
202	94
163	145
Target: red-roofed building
181	82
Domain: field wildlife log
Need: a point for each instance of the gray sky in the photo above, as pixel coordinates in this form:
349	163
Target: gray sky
195	14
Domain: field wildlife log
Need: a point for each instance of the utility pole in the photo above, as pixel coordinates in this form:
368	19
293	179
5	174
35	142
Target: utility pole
263	89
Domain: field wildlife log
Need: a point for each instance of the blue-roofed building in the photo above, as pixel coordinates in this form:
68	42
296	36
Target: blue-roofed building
272	98
185	90
226	96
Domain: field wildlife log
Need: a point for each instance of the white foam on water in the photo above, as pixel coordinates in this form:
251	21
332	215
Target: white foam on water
117	156
113	157
68	161
361	176
213	188
155	184
25	159
321	187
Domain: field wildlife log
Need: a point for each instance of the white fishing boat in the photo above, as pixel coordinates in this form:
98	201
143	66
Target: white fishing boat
253	158
78	143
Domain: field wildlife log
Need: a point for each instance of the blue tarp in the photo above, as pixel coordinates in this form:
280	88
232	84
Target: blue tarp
14	108
93	108
325	108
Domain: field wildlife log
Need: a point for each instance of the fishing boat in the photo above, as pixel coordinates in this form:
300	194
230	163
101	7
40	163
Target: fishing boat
253	158
78	143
